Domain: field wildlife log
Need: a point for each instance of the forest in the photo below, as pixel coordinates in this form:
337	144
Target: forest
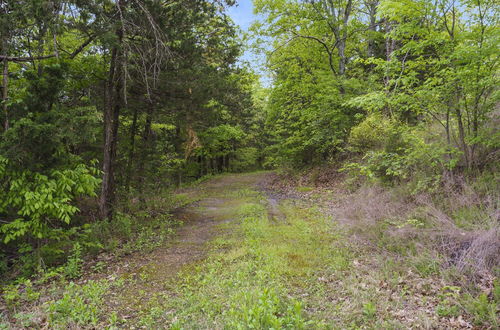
153	176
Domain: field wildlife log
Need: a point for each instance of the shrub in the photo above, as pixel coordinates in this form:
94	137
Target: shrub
371	133
393	152
34	200
73	267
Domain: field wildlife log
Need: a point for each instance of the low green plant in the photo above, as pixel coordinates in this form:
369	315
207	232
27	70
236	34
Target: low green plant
99	267
304	189
426	264
80	305
11	295
268	311
369	310
448	306
122	225
21	292
483	309
73	267
26	320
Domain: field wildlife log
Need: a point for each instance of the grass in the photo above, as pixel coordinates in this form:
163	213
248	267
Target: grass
255	273
300	271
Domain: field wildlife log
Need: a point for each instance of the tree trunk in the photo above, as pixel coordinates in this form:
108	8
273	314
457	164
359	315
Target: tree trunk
131	153
461	135
342	58
146	138
111	123
372	27
5	93
111	115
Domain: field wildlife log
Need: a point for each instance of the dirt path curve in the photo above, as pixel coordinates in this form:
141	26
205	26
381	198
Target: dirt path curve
147	276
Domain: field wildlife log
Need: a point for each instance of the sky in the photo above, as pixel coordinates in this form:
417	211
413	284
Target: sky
242	14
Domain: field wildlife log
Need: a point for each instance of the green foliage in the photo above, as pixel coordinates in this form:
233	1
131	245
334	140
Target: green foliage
427	86
373	133
266	312
59	93
448	306
34	200
246	158
394	152
20	292
79	305
483	310
220	141
73	267
370	310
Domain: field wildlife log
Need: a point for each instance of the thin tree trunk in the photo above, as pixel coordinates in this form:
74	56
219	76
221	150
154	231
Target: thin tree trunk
131	153
146	138
447	128
5	93
448	170
372	27
111	122
461	135
342	58
111	112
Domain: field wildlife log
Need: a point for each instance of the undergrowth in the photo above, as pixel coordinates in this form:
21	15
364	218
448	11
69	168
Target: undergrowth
51	296
253	274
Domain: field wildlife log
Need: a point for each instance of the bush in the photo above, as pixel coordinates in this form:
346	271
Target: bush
371	133
393	152
33	200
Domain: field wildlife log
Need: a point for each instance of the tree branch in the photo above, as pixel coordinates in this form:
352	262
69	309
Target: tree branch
322	43
25	59
45	57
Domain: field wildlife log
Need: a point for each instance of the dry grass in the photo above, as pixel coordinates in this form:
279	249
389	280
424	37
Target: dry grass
369	205
460	222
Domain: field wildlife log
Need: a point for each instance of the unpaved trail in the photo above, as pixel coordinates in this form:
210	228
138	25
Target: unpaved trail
147	276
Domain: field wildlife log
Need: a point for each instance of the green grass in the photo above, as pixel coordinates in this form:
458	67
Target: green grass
304	189
255	273
301	271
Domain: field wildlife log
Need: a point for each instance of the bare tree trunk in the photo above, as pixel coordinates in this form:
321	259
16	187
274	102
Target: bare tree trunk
146	138
342	58
372	27
111	122
131	153
390	44
461	135
5	93
111	115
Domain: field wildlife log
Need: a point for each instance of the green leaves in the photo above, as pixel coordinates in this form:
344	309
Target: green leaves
38	200
220	140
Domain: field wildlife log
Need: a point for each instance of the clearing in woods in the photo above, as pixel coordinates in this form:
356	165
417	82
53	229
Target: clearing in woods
245	257
248	257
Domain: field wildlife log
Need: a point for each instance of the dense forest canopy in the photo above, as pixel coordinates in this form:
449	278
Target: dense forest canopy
105	103
106	97
342	68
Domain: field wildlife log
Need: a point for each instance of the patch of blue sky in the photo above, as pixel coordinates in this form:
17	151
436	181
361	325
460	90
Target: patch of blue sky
242	14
